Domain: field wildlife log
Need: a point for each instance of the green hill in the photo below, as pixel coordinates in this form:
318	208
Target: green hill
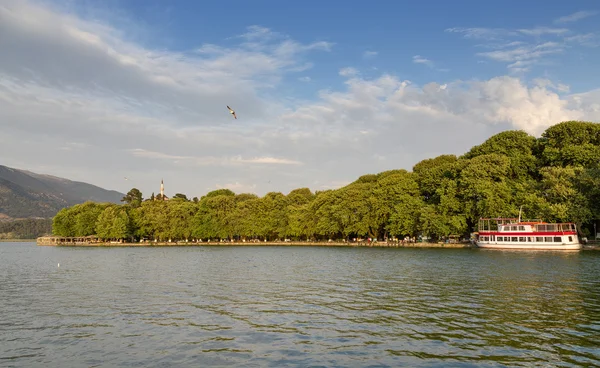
24	194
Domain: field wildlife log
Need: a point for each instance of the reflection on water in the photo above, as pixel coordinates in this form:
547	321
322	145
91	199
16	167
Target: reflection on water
276	306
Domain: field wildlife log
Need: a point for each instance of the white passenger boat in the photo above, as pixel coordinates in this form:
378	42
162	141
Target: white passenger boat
512	233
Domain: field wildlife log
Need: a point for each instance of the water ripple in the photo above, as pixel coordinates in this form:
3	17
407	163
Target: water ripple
294	306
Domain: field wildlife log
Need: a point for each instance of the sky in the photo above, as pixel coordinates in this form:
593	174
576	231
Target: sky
324	91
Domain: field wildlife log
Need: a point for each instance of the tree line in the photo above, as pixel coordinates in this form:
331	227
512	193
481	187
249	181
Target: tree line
25	228
555	177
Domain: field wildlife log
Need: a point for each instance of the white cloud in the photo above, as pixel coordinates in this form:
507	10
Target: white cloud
575	16
524	48
386	102
268	160
210	160
370	54
304	79
418	59
133	111
348	72
236	187
547	83
539	31
587	39
482	33
522	57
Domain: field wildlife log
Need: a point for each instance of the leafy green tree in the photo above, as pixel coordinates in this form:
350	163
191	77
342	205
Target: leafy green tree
517	145
430	173
555	177
113	223
180	196
180	216
85	217
63	223
133	198
570	143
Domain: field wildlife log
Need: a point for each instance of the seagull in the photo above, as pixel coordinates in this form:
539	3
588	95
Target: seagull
126	178
231	112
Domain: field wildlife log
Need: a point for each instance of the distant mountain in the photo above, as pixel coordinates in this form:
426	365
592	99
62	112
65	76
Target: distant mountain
24	194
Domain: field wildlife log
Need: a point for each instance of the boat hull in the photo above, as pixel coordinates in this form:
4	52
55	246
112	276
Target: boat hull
530	246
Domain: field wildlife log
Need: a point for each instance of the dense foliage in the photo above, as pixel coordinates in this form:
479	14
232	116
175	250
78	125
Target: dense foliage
25	229
555	177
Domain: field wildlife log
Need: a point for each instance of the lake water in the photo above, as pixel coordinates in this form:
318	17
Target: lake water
297	306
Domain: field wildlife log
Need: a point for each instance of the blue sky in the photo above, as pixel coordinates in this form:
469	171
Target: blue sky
396	31
324	91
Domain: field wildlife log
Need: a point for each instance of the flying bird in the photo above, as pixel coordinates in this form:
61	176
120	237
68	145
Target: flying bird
231	112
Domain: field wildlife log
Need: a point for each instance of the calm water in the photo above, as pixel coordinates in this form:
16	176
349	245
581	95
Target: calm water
293	306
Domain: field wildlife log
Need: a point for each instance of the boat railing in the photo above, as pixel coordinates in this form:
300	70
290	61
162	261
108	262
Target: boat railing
556	227
492	224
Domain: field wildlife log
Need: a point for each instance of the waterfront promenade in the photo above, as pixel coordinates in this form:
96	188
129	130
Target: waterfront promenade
92	241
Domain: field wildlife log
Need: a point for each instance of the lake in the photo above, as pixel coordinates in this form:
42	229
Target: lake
263	306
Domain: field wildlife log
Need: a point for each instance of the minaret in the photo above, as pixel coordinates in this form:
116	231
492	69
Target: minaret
162	189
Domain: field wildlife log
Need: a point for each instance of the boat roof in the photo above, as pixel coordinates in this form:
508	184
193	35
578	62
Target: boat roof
524	222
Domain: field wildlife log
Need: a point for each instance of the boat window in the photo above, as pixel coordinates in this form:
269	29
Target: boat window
539	239
548	239
529	239
551	227
513	238
500	238
570	238
541	227
522	228
521	238
557	239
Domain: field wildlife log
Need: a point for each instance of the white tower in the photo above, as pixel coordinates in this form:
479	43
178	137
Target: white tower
162	189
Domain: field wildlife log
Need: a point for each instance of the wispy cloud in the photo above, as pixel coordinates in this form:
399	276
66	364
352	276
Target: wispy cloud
547	84
418	59
348	72
522	57
576	16
539	31
370	54
482	33
211	160
268	160
587	39
524	48
304	79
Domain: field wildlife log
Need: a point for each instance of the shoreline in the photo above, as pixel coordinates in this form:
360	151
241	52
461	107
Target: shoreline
262	244
17	240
